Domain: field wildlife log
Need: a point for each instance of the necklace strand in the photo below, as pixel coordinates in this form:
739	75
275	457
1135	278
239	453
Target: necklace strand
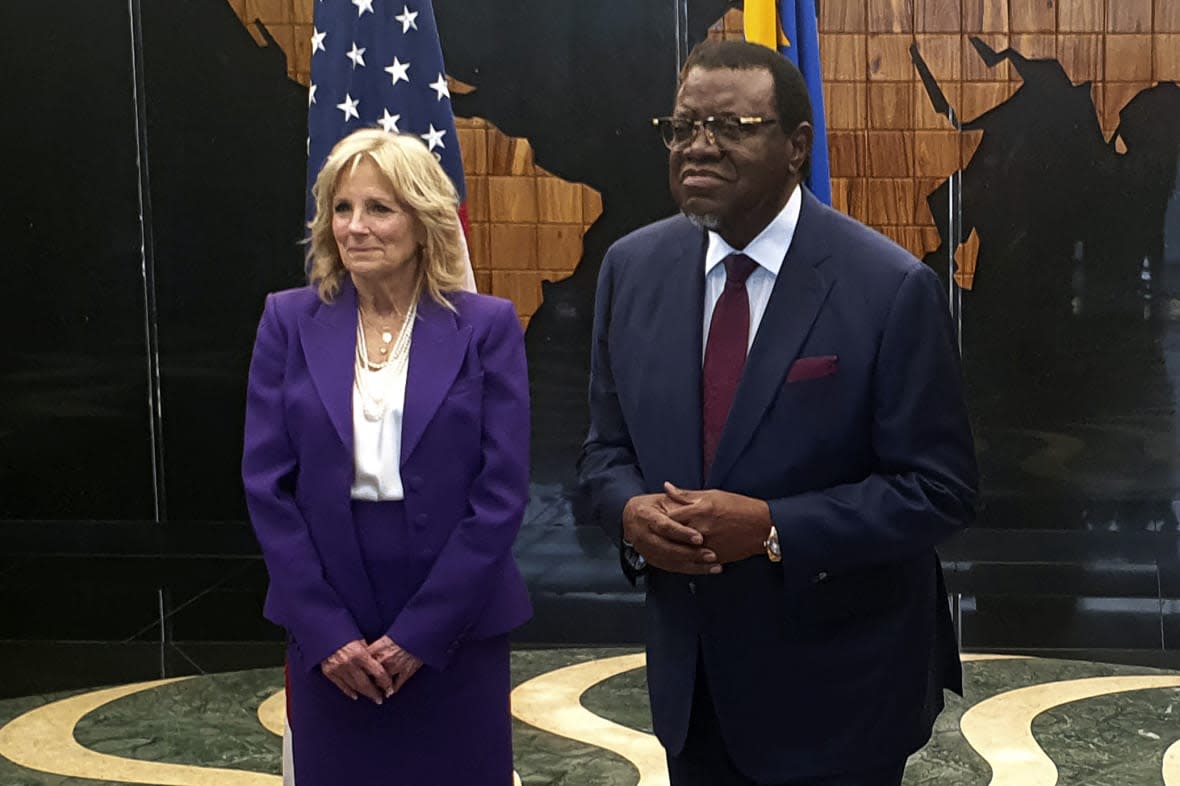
374	402
386	333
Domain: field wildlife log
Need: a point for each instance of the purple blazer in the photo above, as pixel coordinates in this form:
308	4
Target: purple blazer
464	466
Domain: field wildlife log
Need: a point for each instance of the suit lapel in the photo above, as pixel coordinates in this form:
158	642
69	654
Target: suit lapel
799	293
328	337
684	351
677	360
436	354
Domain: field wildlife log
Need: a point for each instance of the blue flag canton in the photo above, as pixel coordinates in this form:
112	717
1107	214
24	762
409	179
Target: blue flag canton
379	63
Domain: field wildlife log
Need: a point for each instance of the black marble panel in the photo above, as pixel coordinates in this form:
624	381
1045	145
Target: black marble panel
226	132
1169	569
1057	562
1170	623
1061	622
37	667
62	607
75	438
211	657
131	539
220	614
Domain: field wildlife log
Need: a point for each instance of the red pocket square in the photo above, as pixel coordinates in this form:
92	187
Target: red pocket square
813	368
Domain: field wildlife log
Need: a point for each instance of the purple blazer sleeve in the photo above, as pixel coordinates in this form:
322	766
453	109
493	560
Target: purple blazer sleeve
448	604
300	599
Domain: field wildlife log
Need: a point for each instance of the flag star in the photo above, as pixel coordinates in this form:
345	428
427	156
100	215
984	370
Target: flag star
440	86
389	122
399	71
362	6
434	137
407	18
311	95
357	56
349	107
317	41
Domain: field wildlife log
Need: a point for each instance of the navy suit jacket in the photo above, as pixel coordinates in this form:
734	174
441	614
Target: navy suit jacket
464	466
849	421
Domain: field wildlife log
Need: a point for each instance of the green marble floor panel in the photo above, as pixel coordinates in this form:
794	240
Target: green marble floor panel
1111	740
210	721
1117	733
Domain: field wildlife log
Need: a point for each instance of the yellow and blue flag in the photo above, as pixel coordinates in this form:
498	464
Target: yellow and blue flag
791	27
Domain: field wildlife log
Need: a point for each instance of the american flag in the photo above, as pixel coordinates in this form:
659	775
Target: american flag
379	63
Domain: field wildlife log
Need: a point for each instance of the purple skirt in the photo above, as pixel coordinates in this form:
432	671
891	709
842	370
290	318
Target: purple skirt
445	728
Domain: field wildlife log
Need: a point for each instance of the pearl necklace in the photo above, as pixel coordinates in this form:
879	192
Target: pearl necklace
374	400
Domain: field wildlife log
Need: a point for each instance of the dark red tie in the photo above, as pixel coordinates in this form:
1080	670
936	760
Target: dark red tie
725	352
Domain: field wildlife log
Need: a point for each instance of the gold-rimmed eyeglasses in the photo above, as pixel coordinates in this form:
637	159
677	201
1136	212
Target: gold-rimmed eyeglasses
720	131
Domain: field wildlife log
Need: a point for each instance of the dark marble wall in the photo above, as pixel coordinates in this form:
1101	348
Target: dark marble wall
157	157
155	196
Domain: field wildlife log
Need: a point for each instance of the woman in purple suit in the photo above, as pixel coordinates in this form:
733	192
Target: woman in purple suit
386	473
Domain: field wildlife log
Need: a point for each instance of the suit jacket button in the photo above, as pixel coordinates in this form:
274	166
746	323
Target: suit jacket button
823	574
692	586
420	519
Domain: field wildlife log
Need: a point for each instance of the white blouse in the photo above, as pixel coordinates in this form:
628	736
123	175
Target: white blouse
377	445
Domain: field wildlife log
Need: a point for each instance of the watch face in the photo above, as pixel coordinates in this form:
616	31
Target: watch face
634	559
773	552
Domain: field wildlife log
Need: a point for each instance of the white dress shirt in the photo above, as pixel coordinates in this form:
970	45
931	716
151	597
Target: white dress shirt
377	446
768	250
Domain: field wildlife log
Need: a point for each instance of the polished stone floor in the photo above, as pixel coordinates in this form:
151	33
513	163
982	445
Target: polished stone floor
581	720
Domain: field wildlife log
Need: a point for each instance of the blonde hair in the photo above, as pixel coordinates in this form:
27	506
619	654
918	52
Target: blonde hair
420	185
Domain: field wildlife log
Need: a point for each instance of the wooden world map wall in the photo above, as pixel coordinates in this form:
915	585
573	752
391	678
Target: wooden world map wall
889	148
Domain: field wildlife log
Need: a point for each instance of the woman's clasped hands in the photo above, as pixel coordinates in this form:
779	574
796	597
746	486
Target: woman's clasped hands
375	671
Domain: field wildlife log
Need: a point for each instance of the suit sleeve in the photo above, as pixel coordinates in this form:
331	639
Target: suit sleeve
924	480
448	603
608	469
300	598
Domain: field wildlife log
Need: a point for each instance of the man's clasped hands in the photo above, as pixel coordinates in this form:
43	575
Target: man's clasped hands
695	531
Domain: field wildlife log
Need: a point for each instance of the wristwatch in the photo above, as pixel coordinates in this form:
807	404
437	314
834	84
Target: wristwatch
773	552
632	558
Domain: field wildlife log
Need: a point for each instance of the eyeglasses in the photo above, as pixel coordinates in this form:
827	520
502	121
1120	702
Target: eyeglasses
724	131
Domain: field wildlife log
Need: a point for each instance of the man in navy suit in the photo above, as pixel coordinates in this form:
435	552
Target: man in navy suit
778	440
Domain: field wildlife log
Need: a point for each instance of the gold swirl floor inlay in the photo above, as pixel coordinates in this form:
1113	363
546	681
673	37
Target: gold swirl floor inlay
43	740
999	728
272	713
552	703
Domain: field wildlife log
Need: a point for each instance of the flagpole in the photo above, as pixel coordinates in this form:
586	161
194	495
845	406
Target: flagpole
680	26
147	246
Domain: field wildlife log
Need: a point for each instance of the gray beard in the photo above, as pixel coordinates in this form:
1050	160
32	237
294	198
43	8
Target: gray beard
708	221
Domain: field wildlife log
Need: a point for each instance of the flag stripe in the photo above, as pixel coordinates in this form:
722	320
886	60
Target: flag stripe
760	21
801	30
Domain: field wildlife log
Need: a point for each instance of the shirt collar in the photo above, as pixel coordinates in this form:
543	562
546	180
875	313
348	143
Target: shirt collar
769	248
